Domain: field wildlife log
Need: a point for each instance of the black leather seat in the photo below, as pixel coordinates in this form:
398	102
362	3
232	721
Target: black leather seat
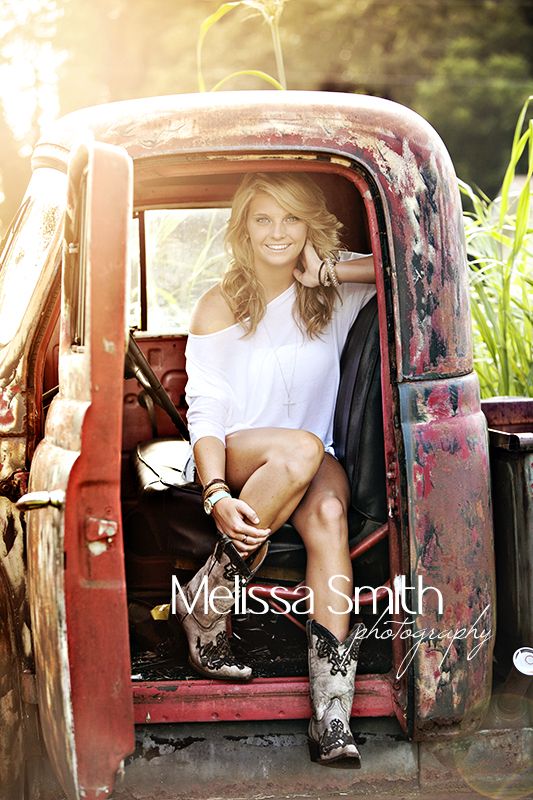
169	517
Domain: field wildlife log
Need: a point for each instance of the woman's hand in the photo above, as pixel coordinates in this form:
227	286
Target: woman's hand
230	515
311	262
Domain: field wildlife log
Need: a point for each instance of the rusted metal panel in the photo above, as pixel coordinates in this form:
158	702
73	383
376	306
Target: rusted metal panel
46	554
11	717
450	535
16	653
12	409
15	645
28	285
263	698
77	590
401	153
411	183
512	414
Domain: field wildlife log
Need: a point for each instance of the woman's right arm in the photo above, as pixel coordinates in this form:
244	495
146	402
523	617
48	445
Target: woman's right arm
209	398
232	516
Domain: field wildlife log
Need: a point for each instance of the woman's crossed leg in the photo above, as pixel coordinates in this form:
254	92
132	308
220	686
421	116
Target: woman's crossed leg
285	474
271	469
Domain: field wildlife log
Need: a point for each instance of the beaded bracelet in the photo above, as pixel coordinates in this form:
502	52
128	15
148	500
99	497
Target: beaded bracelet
332	272
330	278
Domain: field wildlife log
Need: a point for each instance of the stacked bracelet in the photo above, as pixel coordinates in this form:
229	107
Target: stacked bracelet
212	483
212	499
327	274
331	265
213	487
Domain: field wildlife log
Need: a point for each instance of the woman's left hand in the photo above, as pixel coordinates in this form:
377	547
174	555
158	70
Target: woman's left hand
311	262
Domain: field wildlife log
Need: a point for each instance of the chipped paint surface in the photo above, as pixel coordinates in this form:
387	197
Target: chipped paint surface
15	645
51	468
11	408
11	718
396	147
450	539
445	443
29	276
55	603
34	268
70	570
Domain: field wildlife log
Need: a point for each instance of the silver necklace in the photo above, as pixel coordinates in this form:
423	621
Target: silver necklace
288	387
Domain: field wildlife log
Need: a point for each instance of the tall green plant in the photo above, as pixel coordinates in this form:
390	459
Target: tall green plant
499	239
271	11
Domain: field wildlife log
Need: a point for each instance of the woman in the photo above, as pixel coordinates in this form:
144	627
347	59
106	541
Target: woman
263	373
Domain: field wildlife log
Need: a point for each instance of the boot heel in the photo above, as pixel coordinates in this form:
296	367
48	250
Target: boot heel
314	752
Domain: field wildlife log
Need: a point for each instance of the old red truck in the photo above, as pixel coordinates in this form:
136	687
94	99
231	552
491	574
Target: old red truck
121	229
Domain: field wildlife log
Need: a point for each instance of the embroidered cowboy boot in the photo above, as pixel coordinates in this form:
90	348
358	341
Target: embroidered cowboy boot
332	668
205	624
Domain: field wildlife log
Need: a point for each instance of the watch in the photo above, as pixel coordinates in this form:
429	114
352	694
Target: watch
209	502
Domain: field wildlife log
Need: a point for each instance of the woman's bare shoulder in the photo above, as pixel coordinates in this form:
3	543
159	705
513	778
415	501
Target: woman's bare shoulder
211	313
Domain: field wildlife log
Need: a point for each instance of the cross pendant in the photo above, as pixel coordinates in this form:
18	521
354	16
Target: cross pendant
289	403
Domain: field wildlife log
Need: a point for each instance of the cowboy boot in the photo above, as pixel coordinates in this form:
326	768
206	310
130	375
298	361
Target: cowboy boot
206	629
332	668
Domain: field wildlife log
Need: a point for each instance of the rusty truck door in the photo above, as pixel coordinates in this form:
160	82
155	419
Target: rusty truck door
75	551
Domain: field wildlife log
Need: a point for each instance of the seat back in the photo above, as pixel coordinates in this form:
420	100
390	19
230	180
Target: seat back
358	424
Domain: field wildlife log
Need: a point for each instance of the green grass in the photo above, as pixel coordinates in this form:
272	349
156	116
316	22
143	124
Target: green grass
499	239
498	232
271	11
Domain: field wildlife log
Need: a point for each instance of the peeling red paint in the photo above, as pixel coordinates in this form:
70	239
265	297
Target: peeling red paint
409	164
451	533
7	418
409	180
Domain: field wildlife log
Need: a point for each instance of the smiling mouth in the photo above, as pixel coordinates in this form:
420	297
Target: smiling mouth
278	248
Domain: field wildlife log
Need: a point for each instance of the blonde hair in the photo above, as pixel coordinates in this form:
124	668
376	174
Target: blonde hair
240	286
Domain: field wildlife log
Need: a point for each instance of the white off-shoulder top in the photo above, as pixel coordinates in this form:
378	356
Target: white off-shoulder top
276	378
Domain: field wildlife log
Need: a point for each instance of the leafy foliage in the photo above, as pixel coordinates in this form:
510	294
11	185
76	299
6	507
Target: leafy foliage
472	100
462	65
271	11
499	239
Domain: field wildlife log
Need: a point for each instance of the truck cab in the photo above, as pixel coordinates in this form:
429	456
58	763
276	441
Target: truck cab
120	231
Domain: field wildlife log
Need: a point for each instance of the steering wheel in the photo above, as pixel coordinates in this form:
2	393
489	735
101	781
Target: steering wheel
137	366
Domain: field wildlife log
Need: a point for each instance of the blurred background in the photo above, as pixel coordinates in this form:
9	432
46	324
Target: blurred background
465	65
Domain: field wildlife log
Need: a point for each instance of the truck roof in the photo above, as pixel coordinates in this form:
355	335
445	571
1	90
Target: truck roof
233	121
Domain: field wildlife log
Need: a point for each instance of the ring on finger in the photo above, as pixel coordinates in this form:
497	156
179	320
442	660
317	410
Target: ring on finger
245	540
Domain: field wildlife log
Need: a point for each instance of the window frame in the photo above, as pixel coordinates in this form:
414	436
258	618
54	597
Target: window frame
140	215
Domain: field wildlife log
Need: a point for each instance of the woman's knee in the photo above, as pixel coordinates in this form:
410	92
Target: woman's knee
327	511
299	454
324	522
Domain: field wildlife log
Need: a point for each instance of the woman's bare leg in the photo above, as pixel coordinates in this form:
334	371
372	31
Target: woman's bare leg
271	469
321	520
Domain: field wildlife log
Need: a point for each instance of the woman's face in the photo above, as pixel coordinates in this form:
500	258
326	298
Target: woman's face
277	236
